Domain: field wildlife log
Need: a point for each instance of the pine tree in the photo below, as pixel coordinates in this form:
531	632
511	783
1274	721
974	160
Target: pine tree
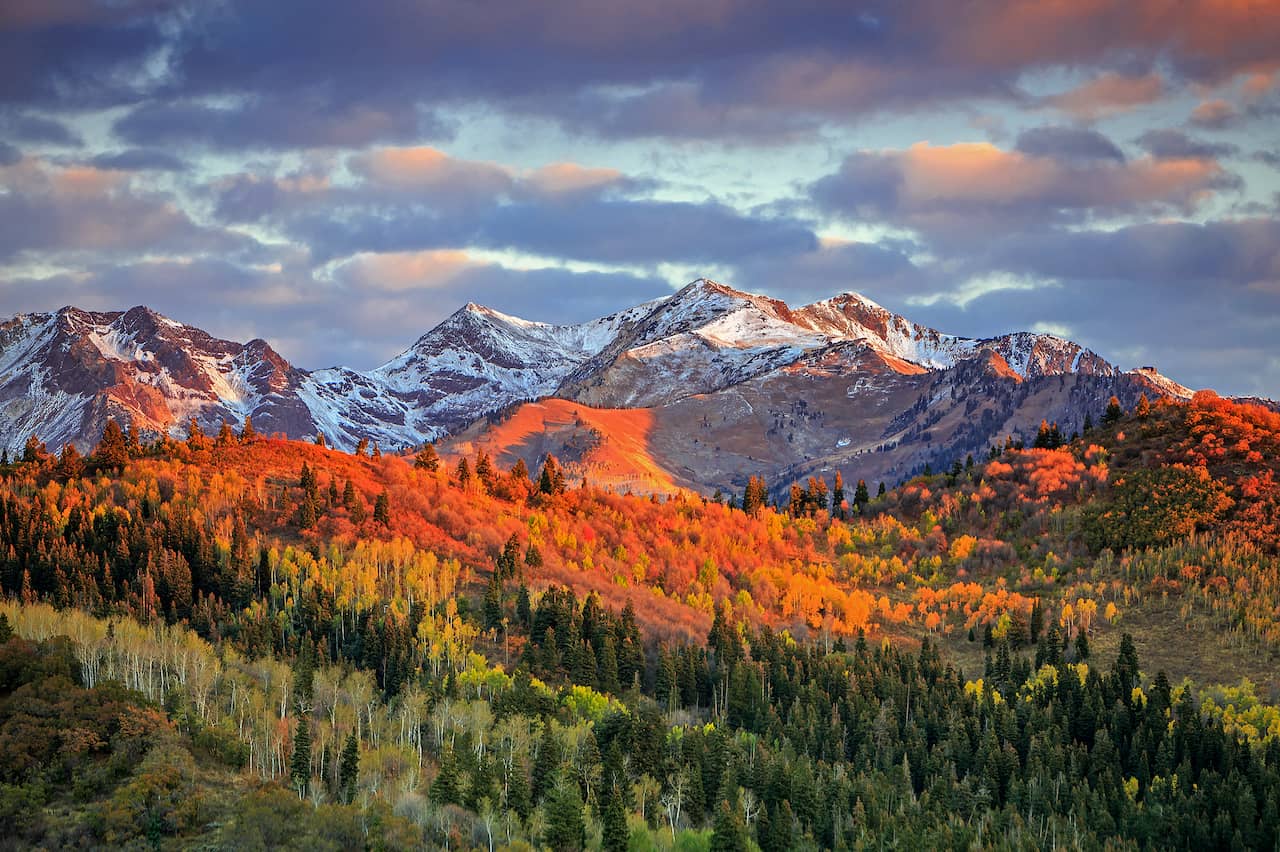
226	437
6	630
70	463
565	827
1143	409
547	762
728	834
1113	413
860	496
382	509
300	762
615	837
881	490
377	451
520	472
493	603
247	433
551	481
320	441
196	438
837	497
112	451
755	496
349	769
362	447
428	459
444	789
463	473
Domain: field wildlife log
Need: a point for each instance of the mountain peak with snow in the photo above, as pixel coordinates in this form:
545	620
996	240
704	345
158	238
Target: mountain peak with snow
63	373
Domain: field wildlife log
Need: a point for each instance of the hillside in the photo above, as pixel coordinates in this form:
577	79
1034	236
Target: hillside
473	652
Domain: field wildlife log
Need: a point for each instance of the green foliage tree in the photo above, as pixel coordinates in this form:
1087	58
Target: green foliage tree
565	826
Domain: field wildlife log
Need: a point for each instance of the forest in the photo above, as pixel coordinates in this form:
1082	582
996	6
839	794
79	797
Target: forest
234	641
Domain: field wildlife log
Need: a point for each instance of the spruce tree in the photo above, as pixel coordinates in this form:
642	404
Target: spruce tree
428	459
247	433
113	450
565	827
1113	413
615	836
860	496
349	769
300	762
728	833
382	509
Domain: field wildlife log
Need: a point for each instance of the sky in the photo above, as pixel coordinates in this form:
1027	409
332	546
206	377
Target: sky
338	177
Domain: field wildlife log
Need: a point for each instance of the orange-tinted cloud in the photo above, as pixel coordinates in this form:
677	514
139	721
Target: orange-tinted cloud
971	188
1108	94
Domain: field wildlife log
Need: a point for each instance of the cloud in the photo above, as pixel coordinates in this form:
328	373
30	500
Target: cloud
1068	143
1171	144
1215	114
621	231
9	154
38	129
306	119
1108	94
431	172
970	189
76	209
140	159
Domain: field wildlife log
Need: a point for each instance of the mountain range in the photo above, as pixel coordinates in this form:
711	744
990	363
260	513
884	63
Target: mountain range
701	388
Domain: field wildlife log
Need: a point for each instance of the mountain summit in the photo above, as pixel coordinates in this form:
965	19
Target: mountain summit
63	374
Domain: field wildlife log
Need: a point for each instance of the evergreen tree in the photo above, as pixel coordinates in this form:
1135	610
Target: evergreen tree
493	603
70	463
6	630
881	490
565	827
444	789
1143	409
300	761
247	433
362	447
1113	413
860	496
196	439
615	837
320	441
113	450
463	473
520	472
226	437
728	834
546	764
382	509
349	769
427	459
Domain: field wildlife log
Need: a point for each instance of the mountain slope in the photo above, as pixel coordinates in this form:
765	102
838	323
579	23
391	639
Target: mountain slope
698	352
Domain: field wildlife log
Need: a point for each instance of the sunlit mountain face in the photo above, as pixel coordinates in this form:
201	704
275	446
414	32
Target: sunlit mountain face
613	425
